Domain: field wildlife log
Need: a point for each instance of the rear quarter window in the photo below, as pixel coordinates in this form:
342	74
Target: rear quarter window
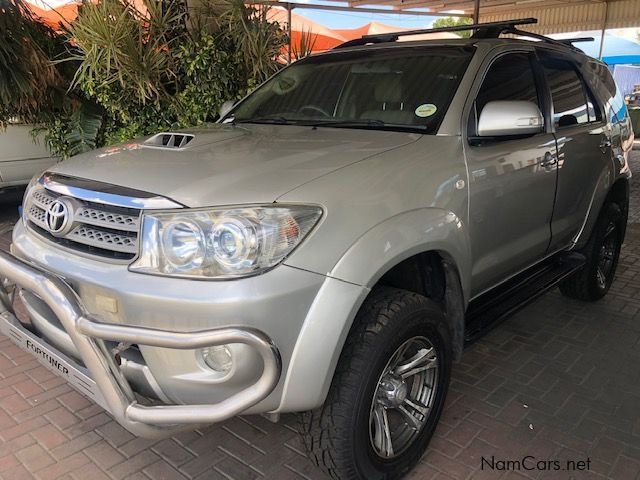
615	105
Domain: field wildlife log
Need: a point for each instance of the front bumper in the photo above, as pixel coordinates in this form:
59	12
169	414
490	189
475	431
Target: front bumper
102	379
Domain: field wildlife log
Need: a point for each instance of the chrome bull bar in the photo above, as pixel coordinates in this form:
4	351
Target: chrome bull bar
115	394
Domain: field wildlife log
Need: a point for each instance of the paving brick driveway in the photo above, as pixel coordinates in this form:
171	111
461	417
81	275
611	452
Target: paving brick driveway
558	381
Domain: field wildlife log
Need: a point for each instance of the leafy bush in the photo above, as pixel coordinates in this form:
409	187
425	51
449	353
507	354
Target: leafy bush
118	72
35	90
168	67
454	22
26	75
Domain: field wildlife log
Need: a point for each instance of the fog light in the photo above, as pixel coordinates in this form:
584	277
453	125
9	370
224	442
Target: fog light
218	358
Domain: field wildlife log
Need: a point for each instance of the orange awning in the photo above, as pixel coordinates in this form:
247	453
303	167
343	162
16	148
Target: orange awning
53	17
324	38
375	28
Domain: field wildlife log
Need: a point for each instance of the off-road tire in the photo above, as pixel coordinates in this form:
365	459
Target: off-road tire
583	285
336	435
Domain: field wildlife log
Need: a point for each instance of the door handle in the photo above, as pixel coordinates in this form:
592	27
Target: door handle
549	160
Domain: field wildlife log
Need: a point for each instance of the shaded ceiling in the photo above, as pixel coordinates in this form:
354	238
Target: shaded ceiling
553	16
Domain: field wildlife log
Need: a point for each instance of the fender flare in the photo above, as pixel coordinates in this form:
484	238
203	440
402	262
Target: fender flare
329	320
401	237
601	193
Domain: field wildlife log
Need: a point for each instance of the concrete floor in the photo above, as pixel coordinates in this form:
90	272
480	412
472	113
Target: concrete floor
558	381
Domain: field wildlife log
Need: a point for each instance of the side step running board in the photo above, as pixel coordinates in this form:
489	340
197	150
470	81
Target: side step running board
495	306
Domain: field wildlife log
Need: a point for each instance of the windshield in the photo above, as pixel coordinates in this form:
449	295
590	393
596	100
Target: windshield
396	88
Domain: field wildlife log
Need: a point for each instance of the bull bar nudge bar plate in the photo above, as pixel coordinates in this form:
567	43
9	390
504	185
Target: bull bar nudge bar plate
101	379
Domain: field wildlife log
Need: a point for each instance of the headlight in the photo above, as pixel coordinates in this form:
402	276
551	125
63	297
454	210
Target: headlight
221	243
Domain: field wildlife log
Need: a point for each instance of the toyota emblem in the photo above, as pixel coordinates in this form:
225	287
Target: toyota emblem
58	217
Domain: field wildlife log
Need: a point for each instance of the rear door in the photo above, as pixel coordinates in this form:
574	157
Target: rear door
584	146
512	181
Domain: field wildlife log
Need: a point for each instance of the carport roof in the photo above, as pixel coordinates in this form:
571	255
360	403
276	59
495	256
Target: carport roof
553	16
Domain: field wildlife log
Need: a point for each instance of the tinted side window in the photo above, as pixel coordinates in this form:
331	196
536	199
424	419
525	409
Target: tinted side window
510	77
594	107
615	106
567	92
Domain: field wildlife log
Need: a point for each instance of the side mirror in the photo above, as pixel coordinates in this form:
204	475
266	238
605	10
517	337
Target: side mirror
226	107
510	117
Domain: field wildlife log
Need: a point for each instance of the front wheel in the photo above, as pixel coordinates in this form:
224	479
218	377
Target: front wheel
388	391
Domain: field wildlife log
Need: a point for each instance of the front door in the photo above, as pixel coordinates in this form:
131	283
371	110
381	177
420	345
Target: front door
511	190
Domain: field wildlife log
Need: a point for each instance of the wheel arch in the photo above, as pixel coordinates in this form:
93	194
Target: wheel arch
435	275
432	237
617	192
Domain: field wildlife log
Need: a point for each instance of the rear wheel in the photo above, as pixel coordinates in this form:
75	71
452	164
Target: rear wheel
388	391
593	281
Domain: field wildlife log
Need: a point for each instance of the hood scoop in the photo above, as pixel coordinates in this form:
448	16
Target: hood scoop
169	141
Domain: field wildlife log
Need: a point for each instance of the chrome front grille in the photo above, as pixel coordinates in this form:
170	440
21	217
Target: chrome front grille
105	219
96	228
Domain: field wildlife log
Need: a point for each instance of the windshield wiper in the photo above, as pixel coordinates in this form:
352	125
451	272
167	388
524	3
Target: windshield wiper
348	123
370	124
266	120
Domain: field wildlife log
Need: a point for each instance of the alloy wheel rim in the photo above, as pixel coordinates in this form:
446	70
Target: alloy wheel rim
403	398
606	256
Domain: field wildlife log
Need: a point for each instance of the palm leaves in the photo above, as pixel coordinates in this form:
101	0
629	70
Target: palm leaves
257	39
158	67
119	47
305	45
26	75
168	66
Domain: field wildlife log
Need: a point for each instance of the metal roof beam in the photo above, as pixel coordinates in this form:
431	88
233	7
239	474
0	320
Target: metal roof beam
510	8
433	6
486	6
336	8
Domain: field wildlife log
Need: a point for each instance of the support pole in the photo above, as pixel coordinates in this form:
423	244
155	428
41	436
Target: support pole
289	8
604	28
476	11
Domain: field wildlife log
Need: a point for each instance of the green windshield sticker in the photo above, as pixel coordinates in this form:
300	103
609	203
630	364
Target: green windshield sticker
426	110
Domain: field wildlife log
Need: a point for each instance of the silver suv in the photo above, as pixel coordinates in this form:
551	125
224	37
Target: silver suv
331	245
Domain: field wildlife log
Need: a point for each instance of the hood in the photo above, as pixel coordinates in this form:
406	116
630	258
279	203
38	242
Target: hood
226	165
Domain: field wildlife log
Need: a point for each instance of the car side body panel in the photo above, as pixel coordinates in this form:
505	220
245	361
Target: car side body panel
409	200
619	131
392	192
584	149
332	313
21	156
504	175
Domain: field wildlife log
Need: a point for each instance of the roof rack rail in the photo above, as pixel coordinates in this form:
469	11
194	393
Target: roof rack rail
567	43
482	30
571	41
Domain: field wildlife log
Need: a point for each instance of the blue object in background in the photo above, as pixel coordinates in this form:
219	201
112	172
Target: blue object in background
626	77
616	49
20	211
